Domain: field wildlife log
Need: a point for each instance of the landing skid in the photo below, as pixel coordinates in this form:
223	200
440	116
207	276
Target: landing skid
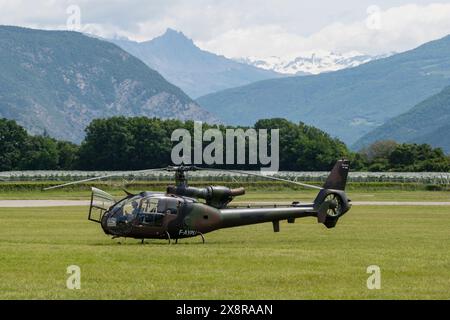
203	238
168	236
116	237
199	233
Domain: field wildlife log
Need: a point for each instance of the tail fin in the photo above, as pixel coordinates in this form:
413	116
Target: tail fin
332	202
338	176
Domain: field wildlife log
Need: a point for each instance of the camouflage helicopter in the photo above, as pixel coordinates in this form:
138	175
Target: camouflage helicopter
184	211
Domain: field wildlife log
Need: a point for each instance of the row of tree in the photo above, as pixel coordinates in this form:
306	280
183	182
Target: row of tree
137	143
389	155
21	151
121	143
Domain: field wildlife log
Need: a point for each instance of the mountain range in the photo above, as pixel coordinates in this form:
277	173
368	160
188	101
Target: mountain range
428	122
195	71
56	82
347	103
312	63
59	81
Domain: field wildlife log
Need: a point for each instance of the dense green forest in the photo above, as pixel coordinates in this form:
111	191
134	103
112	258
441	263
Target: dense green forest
121	143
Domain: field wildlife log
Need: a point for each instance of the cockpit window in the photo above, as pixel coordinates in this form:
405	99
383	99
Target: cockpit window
146	211
150	205
148	214
168	205
127	208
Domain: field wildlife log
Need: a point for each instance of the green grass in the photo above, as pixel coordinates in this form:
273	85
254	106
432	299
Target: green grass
304	261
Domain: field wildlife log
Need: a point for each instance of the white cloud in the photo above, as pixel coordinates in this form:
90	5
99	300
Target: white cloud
396	29
238	28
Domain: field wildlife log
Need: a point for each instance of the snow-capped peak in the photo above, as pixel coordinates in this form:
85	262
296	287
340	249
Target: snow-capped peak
313	62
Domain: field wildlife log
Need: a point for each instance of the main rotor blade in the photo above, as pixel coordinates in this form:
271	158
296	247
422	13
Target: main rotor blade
102	177
264	176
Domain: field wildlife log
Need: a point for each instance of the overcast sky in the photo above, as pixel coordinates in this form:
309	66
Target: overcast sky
238	28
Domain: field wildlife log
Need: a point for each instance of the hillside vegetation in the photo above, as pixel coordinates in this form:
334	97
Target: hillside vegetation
56	82
428	122
348	103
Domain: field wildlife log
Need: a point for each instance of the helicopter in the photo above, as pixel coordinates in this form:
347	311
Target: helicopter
184	211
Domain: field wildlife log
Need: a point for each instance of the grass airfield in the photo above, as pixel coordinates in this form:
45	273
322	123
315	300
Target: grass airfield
304	261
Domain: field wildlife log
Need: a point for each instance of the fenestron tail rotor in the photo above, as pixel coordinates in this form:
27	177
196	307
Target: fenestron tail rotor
335	206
